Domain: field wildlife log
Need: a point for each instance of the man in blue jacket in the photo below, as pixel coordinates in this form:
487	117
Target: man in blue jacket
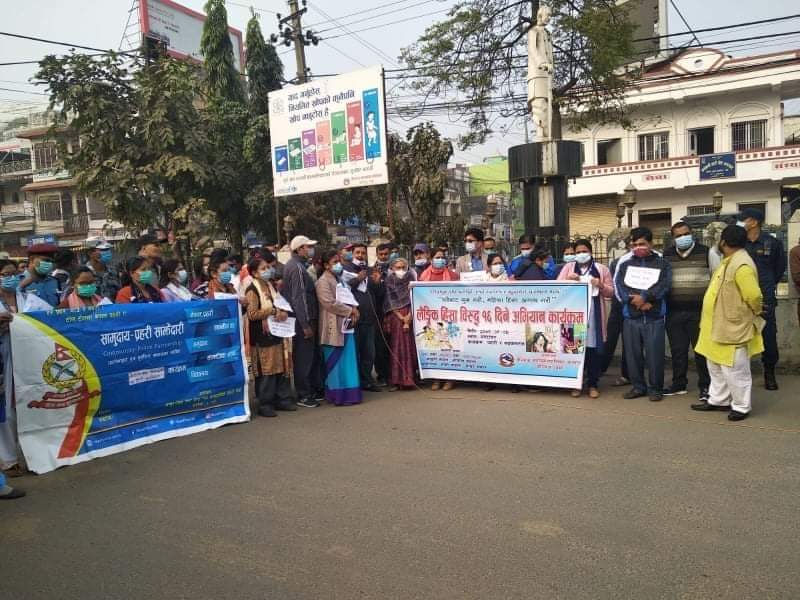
642	285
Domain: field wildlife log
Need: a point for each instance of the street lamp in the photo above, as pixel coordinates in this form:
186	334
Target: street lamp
717	204
630	201
620	214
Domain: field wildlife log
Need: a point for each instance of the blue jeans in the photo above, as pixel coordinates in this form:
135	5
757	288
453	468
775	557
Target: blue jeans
643	340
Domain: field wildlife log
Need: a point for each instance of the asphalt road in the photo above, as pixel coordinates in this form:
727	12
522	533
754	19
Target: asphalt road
455	495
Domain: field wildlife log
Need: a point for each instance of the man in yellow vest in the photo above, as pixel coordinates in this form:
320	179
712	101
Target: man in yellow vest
730	327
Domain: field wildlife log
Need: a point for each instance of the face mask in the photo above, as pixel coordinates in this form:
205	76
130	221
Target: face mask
498	269
568	258
684	242
311	252
348	256
393	256
741	224
469	247
337	269
439	263
225	277
146	277
9	282
421	262
583	258
106	256
525	253
359	263
400	273
86	290
641	251
183	276
267	275
44	267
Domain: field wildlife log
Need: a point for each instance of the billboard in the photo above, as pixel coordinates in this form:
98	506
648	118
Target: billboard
329	134
181	29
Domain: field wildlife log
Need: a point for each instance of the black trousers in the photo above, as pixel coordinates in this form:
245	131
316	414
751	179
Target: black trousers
683	329
272	390
770	335
307	364
365	348
382	356
614	333
594	361
644	346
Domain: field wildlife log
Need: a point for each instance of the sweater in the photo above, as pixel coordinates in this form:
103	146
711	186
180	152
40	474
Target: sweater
690	278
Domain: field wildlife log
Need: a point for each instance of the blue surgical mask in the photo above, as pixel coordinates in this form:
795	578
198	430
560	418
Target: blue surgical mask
393	256
568	258
582	258
267	274
525	253
684	242
146	277
348	256
225	277
439	263
183	276
44	267
337	269
86	290
421	262
9	282
106	256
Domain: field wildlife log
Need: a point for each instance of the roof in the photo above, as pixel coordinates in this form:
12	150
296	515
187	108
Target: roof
49	185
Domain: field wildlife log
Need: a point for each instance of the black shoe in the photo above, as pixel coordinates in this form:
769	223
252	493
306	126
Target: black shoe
704	395
705	406
308	403
656	397
13	494
675	390
286	405
621	381
634	393
737	416
265	410
371	388
769	379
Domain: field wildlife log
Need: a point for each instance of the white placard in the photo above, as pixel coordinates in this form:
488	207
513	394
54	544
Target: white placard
641	278
345	296
588	279
281	329
34	303
224	296
471	276
348	326
329	134
282	304
347	277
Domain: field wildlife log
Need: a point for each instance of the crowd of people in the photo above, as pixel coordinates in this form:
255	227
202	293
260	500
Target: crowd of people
353	330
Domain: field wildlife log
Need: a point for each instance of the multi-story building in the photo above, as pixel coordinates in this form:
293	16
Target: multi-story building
456	191
16	213
703	123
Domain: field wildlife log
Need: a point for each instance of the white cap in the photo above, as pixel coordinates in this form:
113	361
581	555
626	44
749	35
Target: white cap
301	240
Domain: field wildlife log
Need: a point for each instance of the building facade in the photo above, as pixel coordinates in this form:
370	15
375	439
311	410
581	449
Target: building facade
703	123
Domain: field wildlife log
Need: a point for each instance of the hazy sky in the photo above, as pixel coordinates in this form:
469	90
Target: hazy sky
100	23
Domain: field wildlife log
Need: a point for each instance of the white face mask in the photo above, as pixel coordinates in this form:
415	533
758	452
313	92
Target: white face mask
400	273
583	257
359	263
470	246
498	269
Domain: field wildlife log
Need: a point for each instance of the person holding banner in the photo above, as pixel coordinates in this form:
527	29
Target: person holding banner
440	271
398	325
337	322
173	282
9	306
84	291
496	270
270	355
138	282
220	277
597	275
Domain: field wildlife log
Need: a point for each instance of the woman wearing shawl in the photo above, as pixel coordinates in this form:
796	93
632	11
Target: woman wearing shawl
439	271
602	286
398	325
270	356
84	291
336	336
173	282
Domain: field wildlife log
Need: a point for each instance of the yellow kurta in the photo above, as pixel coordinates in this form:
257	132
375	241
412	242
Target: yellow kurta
722	354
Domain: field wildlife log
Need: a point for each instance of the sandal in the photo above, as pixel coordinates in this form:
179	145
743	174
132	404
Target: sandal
448	385
594	393
436	386
575	393
15	471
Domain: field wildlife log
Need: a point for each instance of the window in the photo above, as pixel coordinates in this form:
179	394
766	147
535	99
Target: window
759	206
654	146
609	152
700	211
45	155
750	135
701	141
50	207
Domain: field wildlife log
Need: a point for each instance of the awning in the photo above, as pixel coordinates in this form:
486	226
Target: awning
48	185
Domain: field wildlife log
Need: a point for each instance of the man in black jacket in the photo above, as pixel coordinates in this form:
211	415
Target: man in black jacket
363	288
642	285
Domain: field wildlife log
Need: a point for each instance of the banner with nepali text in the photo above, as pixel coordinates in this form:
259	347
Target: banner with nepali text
525	333
94	382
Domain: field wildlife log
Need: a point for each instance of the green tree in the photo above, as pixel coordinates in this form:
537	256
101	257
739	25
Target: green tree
143	142
222	79
417	175
477	57
264	68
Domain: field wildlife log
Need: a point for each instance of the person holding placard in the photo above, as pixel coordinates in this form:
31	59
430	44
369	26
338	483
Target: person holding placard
270	355
642	285
439	271
398	325
337	322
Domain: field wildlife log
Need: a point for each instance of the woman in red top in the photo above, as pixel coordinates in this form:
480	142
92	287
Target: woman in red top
220	275
439	271
137	281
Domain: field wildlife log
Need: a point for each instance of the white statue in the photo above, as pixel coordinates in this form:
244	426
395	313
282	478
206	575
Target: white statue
540	75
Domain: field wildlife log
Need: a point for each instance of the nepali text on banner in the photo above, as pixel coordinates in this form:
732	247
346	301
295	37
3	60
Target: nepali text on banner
94	382
525	333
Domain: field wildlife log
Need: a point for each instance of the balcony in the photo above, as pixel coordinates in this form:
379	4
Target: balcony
16	217
14	169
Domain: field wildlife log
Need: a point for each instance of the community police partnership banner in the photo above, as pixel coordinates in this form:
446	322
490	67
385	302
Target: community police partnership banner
528	333
94	382
329	134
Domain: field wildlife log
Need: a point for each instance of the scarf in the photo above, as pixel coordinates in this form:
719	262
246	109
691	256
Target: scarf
398	294
596	316
180	291
75	301
265	298
443	274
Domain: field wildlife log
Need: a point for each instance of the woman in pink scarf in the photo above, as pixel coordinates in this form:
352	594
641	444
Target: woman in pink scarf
439	271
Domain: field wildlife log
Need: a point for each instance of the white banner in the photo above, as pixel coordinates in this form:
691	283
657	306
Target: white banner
329	134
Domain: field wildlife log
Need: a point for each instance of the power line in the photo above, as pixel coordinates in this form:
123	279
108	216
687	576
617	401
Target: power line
57	43
255	8
362	12
378	16
347	56
436	12
685	22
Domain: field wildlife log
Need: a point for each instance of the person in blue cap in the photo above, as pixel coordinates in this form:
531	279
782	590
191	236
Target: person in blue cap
770	257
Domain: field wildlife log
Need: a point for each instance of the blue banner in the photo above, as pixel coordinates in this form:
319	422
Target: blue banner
526	332
92	382
718	166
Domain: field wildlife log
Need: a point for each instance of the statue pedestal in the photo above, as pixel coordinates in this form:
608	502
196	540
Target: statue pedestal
544	168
